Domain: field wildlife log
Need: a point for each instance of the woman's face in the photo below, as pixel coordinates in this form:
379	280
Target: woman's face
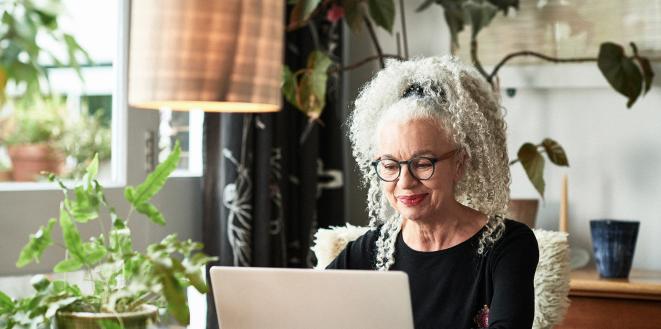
413	198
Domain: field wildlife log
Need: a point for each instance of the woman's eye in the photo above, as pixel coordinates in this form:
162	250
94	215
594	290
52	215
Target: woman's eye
422	163
389	166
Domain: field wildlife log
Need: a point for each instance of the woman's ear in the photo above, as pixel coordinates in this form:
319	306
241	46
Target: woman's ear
461	161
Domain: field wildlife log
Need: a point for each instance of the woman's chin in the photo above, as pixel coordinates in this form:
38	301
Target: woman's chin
412	214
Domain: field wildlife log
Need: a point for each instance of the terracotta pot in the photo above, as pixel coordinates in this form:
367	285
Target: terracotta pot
29	160
523	210
5	176
141	319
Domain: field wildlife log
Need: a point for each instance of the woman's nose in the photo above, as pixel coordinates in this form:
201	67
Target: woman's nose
406	179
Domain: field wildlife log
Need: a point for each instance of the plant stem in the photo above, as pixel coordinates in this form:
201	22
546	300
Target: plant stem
538	55
490	76
476	61
128	217
141	300
404	36
314	34
375	41
362	62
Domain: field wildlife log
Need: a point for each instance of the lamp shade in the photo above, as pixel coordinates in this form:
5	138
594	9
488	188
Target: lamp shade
218	56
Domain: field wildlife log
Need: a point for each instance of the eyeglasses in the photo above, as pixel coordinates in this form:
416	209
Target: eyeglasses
420	167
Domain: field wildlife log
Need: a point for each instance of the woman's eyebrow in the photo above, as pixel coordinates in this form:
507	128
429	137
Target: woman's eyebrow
416	154
423	152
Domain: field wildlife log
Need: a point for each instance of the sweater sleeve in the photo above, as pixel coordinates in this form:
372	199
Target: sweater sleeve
515	262
358	254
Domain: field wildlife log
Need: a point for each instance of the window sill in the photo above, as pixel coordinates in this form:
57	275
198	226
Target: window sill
48	186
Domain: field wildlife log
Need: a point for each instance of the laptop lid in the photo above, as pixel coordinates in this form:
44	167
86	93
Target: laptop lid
253	297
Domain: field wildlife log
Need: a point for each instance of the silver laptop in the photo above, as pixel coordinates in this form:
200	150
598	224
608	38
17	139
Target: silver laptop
254	297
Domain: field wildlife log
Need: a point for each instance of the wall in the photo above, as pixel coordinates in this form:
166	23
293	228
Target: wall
614	153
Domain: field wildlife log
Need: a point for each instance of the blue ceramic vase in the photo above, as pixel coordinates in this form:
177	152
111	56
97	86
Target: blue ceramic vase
614	243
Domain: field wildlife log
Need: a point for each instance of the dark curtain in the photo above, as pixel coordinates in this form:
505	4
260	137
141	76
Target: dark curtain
271	180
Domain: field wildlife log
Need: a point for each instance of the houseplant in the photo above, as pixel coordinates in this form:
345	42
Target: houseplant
629	74
123	281
32	136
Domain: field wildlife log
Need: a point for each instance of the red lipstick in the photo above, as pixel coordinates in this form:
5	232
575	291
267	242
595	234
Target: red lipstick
411	200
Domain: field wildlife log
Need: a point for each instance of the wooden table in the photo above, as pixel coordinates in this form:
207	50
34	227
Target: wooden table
631	303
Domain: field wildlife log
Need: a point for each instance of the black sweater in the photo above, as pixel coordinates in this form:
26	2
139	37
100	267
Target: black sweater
455	287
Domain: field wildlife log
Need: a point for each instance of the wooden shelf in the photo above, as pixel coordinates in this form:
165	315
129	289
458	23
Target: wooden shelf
614	303
640	285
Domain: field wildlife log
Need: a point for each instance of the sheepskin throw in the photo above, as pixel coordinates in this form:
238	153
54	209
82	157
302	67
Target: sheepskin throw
551	276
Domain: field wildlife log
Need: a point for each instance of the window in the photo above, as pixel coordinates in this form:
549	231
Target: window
85	114
186	127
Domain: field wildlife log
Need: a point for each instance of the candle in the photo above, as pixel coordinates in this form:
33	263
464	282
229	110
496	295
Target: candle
564	207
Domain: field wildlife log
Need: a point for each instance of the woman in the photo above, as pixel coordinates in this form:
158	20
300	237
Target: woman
429	138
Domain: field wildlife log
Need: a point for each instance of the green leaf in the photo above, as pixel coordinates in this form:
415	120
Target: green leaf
648	73
555	152
195	270
301	12
39	282
68	265
313	84
120	237
354	11
129	194
454	18
504	5
93	168
36	245
480	14
620	71
94	252
383	13
86	205
71	236
6	303
194	275
151	212
533	163
56	305
425	5
155	180
175	295
289	86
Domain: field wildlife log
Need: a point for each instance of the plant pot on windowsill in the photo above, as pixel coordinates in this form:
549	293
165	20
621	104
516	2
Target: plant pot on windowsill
140	319
5	175
614	243
29	160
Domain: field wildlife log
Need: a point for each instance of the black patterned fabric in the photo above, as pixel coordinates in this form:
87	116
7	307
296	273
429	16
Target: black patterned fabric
267	190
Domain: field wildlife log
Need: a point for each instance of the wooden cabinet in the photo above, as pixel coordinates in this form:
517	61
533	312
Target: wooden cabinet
633	303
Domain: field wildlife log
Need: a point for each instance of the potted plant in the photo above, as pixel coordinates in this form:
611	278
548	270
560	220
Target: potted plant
126	287
32	136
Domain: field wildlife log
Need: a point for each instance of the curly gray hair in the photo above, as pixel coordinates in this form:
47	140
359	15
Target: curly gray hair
461	101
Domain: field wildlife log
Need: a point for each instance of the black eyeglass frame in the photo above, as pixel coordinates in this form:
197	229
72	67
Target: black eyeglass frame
444	156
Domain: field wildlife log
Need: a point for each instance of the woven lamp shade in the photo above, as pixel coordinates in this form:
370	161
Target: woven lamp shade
217	56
